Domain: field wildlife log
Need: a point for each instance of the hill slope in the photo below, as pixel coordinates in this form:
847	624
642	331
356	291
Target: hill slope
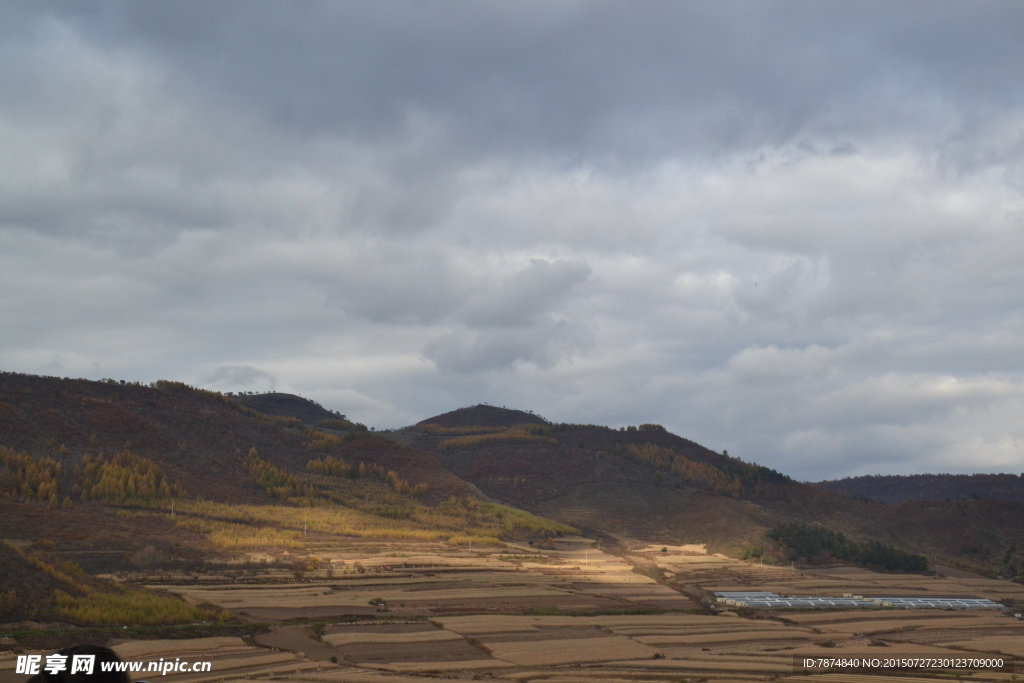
484	416
196	437
288	405
105	442
644	482
919	487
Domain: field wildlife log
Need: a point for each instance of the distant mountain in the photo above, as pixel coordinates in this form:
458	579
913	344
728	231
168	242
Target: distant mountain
484	416
919	487
287	405
644	482
197	437
639	482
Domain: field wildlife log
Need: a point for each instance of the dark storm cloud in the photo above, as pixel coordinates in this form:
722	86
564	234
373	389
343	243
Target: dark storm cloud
592	78
789	229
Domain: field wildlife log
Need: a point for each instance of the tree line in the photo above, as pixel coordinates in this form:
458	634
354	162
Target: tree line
821	545
98	478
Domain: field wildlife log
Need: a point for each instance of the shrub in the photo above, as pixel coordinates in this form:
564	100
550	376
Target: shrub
337	467
701	474
130	607
24	476
271	478
438	430
126	477
8	601
243	536
335	423
283	421
517	434
468	540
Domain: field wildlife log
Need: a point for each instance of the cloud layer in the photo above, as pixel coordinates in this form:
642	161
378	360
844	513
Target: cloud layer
790	230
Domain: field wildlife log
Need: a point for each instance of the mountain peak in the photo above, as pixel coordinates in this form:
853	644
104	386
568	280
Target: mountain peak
286	405
484	416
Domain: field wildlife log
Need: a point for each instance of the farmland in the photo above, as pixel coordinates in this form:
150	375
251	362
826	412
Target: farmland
394	611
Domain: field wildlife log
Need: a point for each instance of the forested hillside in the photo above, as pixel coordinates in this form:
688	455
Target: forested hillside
644	482
66	443
917	487
79	432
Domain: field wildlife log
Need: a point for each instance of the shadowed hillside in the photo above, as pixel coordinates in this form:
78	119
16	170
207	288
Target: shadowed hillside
484	416
921	487
65	443
35	587
289	405
101	477
197	438
25	590
644	482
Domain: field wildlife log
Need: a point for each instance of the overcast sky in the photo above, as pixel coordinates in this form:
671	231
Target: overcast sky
793	230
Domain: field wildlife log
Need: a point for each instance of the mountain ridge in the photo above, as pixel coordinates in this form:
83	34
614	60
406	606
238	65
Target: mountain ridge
895	489
640	481
483	415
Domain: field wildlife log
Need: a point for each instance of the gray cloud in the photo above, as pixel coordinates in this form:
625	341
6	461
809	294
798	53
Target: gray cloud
241	377
788	229
528	294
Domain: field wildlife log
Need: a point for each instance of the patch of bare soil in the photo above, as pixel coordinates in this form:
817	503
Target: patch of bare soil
557	633
386	653
418	627
297	639
837	571
956	573
288	613
569	603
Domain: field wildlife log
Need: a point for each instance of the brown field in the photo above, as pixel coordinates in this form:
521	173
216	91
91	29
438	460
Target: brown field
228	656
518	613
340	639
1006	644
146	648
570	651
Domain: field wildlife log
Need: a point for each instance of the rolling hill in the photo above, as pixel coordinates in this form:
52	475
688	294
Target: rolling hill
87	444
198	438
644	482
290	405
897	489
